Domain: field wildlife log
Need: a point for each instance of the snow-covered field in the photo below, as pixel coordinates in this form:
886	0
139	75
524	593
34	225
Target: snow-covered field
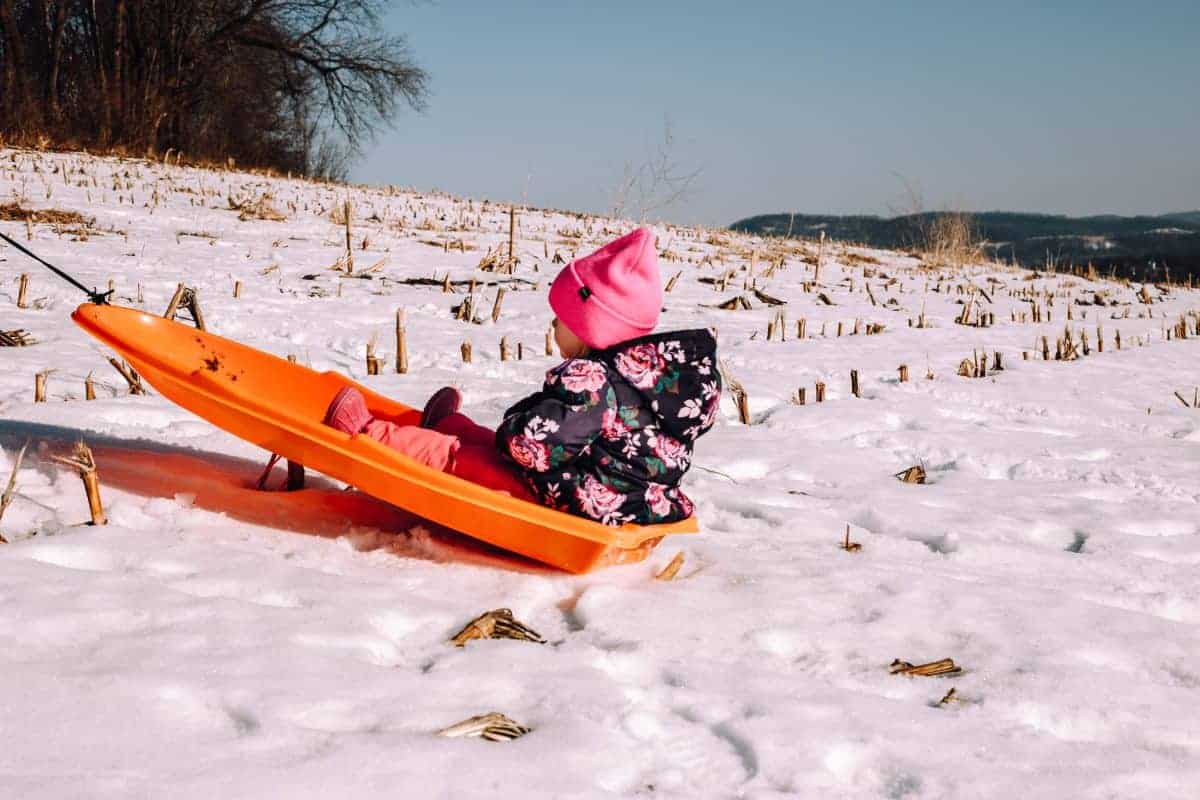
212	641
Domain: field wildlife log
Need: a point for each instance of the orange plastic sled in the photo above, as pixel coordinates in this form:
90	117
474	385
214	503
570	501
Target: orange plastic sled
279	406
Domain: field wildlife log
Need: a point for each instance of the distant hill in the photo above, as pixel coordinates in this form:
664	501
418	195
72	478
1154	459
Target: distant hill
1190	217
1139	247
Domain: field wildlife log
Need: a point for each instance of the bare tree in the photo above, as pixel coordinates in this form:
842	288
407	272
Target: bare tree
656	184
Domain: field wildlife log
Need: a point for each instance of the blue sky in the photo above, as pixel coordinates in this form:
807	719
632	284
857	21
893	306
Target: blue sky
807	107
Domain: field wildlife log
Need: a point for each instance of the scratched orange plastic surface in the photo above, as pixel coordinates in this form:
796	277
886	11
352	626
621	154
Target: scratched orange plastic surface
279	406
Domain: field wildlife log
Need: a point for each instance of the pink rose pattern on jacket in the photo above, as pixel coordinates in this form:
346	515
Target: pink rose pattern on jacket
610	435
529	453
656	499
598	501
582	375
641	365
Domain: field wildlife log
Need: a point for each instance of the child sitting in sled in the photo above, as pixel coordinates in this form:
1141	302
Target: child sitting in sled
610	434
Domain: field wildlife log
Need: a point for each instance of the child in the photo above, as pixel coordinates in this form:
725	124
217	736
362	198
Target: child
610	434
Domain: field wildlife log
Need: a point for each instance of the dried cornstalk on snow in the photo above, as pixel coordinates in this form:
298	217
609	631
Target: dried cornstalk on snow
669	572
740	398
498	623
348	216
466	311
17	338
39	385
495	727
378	265
401	343
512	239
491	261
915	474
374	362
849	546
496	305
84	464
259	208
945	666
130	375
10	490
735	303
768	299
185	297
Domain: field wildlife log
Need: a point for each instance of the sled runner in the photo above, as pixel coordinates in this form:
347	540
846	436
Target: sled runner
279	406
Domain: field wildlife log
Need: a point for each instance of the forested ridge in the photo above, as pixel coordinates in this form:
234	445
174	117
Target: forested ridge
1138	246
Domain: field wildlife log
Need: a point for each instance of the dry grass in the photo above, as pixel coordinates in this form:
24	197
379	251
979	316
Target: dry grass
338	215
260	208
15	212
951	238
850	258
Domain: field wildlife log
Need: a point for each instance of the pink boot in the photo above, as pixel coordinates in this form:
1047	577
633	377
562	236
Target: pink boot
348	411
441	404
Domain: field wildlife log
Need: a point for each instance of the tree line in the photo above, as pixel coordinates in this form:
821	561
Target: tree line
290	84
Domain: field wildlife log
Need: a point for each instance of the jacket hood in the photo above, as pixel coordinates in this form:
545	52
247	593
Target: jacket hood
674	372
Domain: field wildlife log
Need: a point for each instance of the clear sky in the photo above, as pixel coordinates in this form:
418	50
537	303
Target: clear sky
1086	107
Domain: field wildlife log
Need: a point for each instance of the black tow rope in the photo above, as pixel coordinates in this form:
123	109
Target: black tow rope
99	298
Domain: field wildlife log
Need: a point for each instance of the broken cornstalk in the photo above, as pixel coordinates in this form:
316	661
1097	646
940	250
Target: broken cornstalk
10	490
494	727
130	375
672	569
348	212
498	623
185	297
945	666
84	464
849	546
914	474
401	343
496	305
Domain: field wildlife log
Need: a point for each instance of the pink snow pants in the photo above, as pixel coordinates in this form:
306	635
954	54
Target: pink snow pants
457	446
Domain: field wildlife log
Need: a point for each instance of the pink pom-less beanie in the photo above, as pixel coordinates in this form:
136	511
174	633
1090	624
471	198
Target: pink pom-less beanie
612	295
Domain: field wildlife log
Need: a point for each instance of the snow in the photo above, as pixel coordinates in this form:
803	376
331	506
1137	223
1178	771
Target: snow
212	640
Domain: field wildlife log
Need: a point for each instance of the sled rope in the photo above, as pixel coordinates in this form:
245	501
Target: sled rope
99	298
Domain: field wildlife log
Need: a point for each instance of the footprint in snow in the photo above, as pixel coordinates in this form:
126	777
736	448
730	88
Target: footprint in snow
74	556
202	710
237	590
336	717
369	649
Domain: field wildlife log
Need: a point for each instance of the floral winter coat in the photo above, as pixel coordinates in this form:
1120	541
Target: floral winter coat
610	434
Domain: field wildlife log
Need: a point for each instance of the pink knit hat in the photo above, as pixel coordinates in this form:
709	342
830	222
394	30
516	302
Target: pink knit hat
612	295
